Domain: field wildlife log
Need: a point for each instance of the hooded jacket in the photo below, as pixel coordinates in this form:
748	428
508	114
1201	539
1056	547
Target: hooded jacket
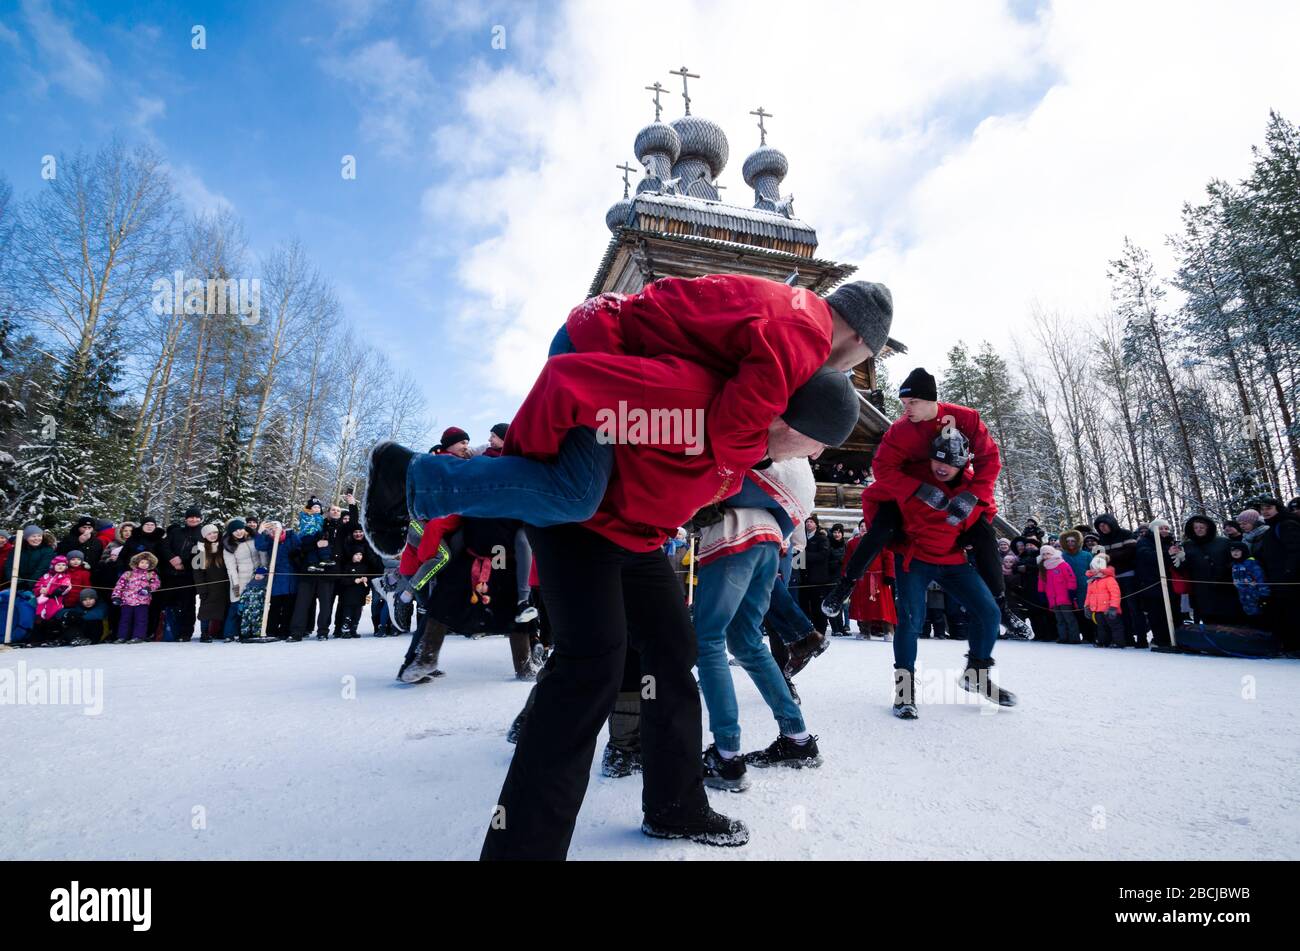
1103	591
1208	565
1278	552
1057	581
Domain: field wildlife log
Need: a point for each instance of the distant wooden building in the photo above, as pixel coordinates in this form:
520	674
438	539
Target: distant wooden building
675	224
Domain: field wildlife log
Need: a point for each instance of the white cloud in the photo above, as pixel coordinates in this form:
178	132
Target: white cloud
394	91
70	63
147	109
194	193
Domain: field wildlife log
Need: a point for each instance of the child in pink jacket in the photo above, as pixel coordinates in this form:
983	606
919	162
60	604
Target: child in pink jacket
133	592
1057	580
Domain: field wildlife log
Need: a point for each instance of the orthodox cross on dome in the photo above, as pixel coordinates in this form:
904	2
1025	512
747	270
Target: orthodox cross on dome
657	89
762	132
685	91
627	169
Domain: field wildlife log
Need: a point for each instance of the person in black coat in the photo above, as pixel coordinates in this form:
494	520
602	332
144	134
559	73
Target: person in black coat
175	567
358	563
1148	600
1208	566
834	566
1278	553
815	577
82	538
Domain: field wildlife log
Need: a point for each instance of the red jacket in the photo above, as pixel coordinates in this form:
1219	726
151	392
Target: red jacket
1103	591
906	442
765	338
656	486
80	581
929	536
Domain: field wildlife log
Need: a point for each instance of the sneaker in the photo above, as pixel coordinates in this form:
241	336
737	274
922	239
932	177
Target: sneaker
703	826
402	612
786	752
418	672
721	772
525	611
81	642
384	517
803	651
539	655
618	763
322	637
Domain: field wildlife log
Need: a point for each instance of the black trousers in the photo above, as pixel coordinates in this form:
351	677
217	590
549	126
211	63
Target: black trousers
281	615
348	613
601	598
315	597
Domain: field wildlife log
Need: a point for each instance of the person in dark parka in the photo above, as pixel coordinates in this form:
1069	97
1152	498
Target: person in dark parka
1208	566
1278	553
1120	546
1148	600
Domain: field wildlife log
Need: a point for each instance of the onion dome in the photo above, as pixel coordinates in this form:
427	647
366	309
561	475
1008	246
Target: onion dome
763	172
618	214
702	140
657	147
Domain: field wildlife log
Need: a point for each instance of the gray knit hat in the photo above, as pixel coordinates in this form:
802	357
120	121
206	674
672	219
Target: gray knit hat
825	408
33	529
76	554
868	308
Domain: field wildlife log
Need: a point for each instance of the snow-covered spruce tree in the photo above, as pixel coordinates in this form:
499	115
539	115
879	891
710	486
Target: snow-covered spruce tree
228	492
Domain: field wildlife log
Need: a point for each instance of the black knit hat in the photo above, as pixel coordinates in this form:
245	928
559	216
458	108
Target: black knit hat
868	308
452	435
499	430
919	385
193	512
825	408
235	524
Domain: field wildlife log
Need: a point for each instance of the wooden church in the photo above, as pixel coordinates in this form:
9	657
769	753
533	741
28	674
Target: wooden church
675	224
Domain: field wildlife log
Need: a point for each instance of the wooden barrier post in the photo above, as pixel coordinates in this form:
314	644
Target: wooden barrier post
690	577
1164	584
13	589
270	578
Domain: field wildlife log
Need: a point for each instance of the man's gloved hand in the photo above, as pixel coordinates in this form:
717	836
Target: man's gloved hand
833	603
932	496
960	507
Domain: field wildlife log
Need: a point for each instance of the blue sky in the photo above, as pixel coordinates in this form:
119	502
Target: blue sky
980	158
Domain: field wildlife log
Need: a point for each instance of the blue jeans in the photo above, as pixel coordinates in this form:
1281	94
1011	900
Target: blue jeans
962	582
733	596
536	493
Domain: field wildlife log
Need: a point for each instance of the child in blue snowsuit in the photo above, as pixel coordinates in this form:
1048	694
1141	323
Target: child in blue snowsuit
1248	576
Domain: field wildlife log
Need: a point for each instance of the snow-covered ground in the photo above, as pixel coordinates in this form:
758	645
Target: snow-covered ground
311	750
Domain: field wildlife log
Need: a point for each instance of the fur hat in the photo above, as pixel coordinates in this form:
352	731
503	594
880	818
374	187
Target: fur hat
148	557
1072	533
868	308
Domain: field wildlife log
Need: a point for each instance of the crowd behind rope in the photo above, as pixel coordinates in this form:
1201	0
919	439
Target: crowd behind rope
134	580
1243	572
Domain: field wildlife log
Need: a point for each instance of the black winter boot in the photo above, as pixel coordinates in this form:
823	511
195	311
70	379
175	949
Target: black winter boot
905	694
976	679
703	825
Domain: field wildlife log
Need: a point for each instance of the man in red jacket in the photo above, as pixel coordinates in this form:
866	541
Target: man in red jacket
931	548
903	450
